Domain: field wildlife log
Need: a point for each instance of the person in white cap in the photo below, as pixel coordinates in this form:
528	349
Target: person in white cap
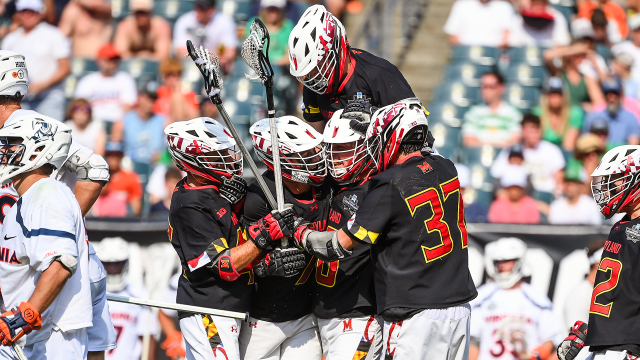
47	53
274	15
143	34
88	24
631	46
516	207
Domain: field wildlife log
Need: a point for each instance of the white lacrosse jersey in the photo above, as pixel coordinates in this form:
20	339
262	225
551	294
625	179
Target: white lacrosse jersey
512	323
46	221
130	322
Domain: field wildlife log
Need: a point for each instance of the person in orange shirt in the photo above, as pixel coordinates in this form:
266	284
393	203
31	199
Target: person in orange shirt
124	187
612	11
175	102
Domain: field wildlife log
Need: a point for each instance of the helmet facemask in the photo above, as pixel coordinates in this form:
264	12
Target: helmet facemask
506	279
117	272
346	160
216	165
11	151
307	166
613	192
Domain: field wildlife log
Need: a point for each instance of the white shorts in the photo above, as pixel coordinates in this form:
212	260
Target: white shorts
433	334
69	345
289	340
607	355
351	338
102	335
211	337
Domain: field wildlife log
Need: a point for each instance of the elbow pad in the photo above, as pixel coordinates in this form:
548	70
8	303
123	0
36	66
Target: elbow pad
312	114
69	262
223	265
88	166
324	245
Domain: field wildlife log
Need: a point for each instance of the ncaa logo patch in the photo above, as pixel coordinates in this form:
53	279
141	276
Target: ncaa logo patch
350	204
633	233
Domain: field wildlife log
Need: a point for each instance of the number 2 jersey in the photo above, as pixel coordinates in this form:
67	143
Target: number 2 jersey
614	313
198	218
279	299
344	288
413	218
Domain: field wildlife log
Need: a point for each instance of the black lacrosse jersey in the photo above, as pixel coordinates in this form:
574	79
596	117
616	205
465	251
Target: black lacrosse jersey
276	298
198	217
614	313
344	288
373	77
414	218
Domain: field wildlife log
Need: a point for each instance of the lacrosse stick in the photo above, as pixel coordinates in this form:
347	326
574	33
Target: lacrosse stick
209	67
19	352
255	52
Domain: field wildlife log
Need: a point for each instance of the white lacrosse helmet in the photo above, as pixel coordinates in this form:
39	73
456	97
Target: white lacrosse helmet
29	142
113	252
302	157
204	147
505	249
14	78
615	183
404	122
347	154
318	47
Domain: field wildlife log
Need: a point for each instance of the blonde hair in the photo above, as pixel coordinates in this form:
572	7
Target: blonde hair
170	66
564	114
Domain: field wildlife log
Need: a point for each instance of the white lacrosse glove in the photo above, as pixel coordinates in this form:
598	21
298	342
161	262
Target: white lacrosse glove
209	66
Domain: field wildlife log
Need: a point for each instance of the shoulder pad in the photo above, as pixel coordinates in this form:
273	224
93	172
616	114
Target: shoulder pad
88	166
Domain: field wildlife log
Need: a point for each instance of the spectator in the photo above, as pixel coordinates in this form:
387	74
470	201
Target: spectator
84	129
623	125
479	22
612	11
209	28
516	207
495	122
143	34
632	46
576	306
208	109
174	102
141	130
600	128
111	93
593	66
292	10
161	208
583	90
540	25
543	161
88	24
574	207
272	13
124	187
606	32
588	151
474	212
621	67
561	120
47	52
628	103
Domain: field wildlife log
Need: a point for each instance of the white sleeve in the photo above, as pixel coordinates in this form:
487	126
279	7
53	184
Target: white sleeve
129	94
560	35
83	90
230	36
180	35
61	47
453	21
557	159
550	327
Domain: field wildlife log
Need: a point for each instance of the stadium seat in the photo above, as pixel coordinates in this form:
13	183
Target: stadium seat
525	75
446	113
82	66
172	9
522	97
604	51
457	93
480	55
447	139
238	9
567	11
119	9
482	156
529	55
140	70
468	73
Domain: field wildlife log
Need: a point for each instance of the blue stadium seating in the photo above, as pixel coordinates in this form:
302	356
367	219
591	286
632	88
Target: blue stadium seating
457	93
172	9
527	55
468	73
446	113
525	75
480	55
522	97
140	70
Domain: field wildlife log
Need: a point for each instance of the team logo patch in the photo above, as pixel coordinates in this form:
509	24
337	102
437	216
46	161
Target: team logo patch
633	233
350	204
299	176
45	130
425	167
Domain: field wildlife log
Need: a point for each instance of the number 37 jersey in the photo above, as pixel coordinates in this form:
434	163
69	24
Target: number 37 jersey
614	313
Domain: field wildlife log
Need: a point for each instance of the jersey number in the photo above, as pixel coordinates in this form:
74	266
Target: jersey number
118	332
326	272
436	222
606	264
6	202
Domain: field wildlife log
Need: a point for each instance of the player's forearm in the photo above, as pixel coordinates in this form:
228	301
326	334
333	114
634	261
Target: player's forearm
345	240
473	352
244	254
87	192
64	68
166	323
49	286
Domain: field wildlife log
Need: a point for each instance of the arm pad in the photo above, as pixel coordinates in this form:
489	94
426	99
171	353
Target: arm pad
69	262
223	265
88	166
324	245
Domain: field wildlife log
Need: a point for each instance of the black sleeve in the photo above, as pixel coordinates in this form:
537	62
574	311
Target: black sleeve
373	215
255	205
197	229
389	86
311	108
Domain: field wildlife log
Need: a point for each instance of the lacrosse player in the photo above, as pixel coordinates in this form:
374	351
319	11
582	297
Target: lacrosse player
614	312
281	325
412	216
509	318
334	73
44	270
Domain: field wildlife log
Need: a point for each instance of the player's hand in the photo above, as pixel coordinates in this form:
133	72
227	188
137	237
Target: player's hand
233	190
281	262
172	345
17	322
572	344
275	226
361	111
301	232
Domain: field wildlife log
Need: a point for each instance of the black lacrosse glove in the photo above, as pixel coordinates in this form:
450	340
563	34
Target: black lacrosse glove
359	109
275	226
572	344
234	189
281	262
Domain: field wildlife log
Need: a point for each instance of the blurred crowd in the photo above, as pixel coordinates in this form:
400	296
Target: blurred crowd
114	70
535	93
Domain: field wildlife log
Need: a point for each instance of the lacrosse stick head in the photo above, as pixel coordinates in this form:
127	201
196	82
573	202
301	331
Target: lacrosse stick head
209	66
255	52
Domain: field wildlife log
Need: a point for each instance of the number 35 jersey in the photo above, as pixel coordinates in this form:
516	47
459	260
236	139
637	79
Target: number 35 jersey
614	313
413	216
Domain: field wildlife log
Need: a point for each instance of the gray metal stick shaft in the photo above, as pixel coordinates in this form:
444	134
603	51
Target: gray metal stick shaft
19	352
178	307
